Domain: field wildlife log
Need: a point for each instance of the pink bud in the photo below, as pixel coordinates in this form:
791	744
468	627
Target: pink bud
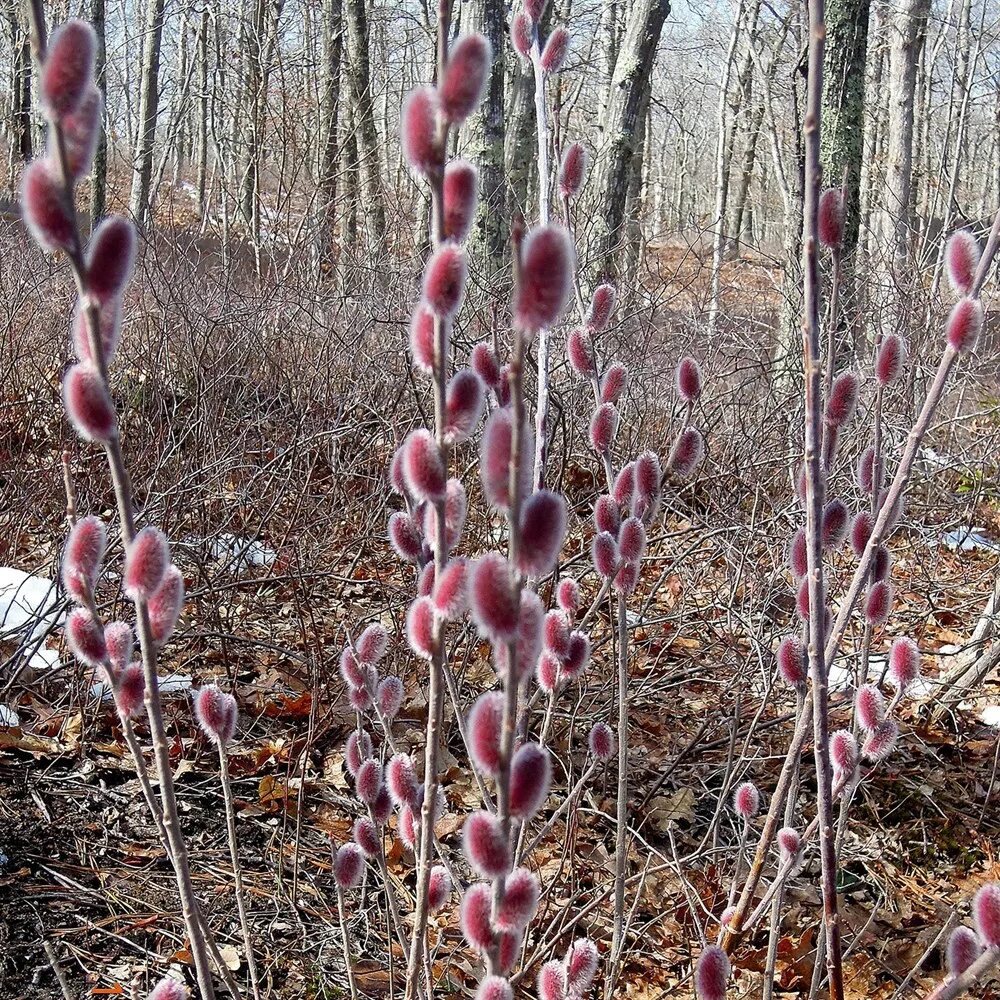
360	699
420	627
548	672
146	562
534	9
169	989
423	467
546	279
456	506
614	382
495	456
464	405
555	634
904	662
165	605
460	196
712	974
802	600
965	324
648	476
552	981
963	949
543	528
88	404
464	77
503	387
844	752
798	554
351	670
408	827
626	578
372	643
843	399
521	30
451	594
444	280
789	844
109	324
46	209
889	360
366	836
869	706
746	800
476	916
578	657
835	518
791	661
962	254
401	780
494	602
830	218
425	585
348	867
624	485
420	140
397	481
390	697
603	426
110	258
68	68
216	714
422	338
604	553
606	515
86	637
568	595
404	536
510	947
879	603
687	453
484	364
689	380
529	638
986	914
131	690
83	557
120	643
530	774
580	352
358	748
439	888
573	170
865	473
881	563
484	723
495	988
861	530
520	900
485	845
881	740
555	51
368	780
602	305
632	540
581	966
80	130
602	741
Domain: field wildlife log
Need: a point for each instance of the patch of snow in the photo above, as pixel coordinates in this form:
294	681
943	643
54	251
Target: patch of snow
936	459
966	539
237	555
991	715
29	610
9	719
842	674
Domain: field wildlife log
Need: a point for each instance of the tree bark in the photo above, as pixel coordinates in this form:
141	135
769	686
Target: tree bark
99	182
149	103
332	51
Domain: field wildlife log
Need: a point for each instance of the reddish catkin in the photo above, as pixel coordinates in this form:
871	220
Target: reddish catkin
687	453
881	741
843	399
45	207
556	49
366	836
407	827
711	975
830	219
791	659
603	426
461	192
798	554
485	846
419	128
580	352
844	752
476	916
463	405
495	457
165	605
423	467
878	603
80	131
865	472
548	672
789	844
493	599
120	641
646	488
495	988
835	524
543	528
964	325
88	404
546	279
572	170
624	485
688	380
530	775
484	724
881	564
869	706
368	780
439	888
632	540
503	387
861	530
602	305
420	627
86	637
627	578
465	76
484	364
216	713
360	699
520	901
529	638
357	749
521	34
962	255
110	258
83	557
401	780
581	966
568	595
109	324
601	741
889	360
986	914
451	592
578	658
425	584
964	948
607	516
372	643
555	634
456	507
444	280
552	981
146	563
422	338
904	662
131	690
604	554
389	697
169	989
350	669
534	9
746	800
613	383
348	867
68	68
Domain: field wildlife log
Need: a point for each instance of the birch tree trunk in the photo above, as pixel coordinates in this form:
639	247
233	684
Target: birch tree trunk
99	180
149	103
202	181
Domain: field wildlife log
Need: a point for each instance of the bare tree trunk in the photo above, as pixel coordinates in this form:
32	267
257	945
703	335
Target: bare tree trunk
99	181
332	49
149	103
21	79
203	113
